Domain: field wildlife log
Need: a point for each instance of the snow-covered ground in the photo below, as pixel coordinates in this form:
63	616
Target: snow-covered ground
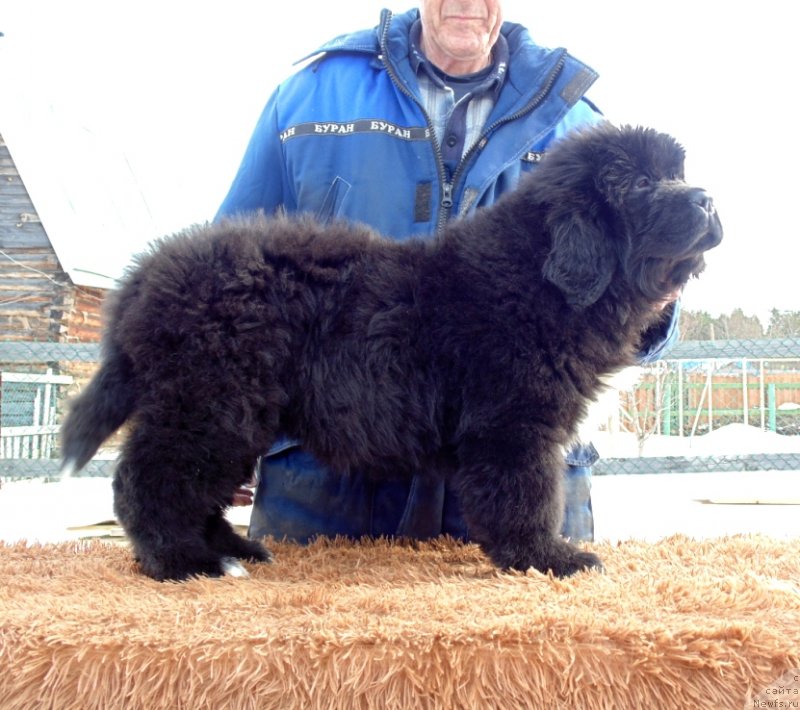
729	440
645	507
700	505
75	508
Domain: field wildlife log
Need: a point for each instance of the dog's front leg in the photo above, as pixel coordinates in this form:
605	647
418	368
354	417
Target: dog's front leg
512	501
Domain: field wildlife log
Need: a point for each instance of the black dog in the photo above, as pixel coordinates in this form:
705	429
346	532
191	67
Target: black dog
471	356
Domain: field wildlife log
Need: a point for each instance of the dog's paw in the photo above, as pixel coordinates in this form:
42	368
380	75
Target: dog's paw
181	571
235	546
258	553
578	561
547	555
249	550
233	568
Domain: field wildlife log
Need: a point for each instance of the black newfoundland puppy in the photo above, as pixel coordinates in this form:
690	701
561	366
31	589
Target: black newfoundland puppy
471	356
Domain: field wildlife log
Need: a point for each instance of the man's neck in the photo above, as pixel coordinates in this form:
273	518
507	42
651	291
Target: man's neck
454	66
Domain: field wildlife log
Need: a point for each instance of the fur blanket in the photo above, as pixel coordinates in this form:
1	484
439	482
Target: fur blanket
379	625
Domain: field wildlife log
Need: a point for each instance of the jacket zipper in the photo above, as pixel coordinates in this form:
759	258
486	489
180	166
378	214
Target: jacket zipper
446	200
448	188
525	110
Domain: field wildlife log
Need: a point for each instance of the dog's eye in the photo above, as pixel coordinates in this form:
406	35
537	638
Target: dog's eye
643	182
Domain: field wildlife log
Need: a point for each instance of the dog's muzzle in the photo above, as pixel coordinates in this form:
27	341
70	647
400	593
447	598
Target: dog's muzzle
713	235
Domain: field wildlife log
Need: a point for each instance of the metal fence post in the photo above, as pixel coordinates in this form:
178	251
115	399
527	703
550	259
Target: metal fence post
772	404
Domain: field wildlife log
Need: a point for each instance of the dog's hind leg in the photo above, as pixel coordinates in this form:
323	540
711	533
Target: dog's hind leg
222	538
170	488
166	545
512	502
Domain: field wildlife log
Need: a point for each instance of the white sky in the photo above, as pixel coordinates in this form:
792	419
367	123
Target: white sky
173	89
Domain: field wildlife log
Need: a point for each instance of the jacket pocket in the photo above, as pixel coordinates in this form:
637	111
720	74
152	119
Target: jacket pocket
332	204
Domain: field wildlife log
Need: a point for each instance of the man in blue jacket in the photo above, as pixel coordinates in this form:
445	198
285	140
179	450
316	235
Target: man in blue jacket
429	116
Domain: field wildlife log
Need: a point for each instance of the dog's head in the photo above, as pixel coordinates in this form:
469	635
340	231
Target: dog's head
619	207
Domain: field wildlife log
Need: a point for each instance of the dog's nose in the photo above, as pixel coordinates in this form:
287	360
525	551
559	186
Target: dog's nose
700	197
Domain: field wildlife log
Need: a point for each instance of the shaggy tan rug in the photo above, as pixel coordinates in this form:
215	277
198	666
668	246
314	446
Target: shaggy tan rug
677	624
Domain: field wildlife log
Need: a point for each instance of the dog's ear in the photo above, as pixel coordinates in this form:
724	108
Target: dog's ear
582	260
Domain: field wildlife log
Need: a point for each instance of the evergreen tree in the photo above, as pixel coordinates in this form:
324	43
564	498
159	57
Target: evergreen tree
696	325
738	326
700	325
783	324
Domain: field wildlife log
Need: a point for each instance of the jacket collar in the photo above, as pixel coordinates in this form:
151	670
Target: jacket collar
529	64
493	75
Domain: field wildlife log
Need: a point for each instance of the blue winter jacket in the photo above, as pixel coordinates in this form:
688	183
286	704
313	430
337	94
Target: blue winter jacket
347	137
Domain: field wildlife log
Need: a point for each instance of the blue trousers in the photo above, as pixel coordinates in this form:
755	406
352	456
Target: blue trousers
299	499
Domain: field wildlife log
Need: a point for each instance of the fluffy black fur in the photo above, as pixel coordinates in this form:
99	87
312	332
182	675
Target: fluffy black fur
471	356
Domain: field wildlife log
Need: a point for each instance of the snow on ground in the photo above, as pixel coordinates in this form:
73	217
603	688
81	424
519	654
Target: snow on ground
43	512
729	440
699	505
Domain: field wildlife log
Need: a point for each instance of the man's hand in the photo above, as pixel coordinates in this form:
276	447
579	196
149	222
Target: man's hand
244	494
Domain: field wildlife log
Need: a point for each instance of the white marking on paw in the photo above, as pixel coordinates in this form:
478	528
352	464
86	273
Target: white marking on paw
233	568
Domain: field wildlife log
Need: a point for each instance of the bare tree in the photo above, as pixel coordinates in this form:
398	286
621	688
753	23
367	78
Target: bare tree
642	406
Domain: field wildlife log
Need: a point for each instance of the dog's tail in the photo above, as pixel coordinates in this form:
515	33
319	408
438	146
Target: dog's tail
102	407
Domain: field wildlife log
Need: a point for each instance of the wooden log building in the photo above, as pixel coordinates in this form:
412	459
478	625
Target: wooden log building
39	301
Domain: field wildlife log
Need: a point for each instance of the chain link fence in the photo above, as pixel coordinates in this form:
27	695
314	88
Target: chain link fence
38	379
712	406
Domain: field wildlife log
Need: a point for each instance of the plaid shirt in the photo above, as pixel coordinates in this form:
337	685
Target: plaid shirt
458	124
